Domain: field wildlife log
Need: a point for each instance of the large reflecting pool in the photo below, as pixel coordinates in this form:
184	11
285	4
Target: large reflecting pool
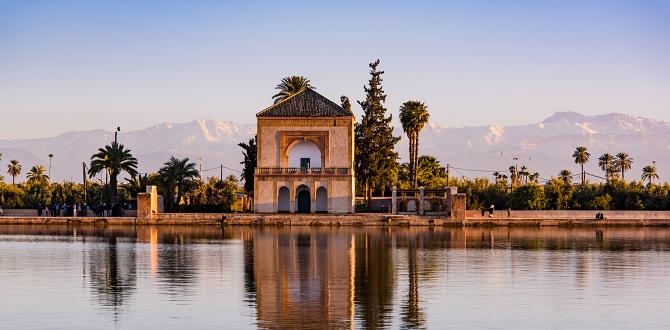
179	277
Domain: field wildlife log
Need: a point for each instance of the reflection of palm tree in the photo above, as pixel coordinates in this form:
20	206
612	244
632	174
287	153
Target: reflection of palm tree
374	279
412	315
177	267
113	274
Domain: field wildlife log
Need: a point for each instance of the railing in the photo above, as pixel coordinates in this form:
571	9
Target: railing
302	171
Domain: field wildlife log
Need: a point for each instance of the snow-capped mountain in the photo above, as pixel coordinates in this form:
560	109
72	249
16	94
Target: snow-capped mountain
544	147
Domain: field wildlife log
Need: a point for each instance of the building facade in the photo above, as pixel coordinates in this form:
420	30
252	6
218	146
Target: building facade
305	156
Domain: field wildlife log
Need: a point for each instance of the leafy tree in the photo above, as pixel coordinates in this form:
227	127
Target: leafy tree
649	173
430	173
115	159
623	163
413	117
290	86
558	193
67	192
375	155
528	197
346	105
175	173
213	195
14	169
12	197
581	157
250	158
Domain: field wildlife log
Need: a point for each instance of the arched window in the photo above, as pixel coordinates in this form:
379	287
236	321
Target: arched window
304	154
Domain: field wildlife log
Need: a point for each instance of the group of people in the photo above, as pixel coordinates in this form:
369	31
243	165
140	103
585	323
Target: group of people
81	210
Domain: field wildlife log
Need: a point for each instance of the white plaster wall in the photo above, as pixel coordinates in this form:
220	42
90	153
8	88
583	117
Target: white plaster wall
304	149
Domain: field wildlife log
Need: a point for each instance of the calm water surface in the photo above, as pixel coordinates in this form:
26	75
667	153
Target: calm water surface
164	277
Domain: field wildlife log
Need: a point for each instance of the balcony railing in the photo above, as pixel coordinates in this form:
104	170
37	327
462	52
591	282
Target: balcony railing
302	171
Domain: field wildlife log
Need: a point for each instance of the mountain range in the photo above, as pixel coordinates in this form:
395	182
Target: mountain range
544	147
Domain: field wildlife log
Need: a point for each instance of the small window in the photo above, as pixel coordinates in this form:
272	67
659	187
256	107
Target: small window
304	162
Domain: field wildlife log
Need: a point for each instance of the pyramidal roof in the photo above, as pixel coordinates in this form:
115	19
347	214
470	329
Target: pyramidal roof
306	103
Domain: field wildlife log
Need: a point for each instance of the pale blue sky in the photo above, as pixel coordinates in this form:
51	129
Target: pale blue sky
75	65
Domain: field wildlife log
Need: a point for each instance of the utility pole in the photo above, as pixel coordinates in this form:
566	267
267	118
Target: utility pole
118	129
447	175
83	172
200	158
221	172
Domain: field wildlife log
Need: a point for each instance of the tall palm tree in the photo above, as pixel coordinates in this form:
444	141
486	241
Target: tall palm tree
649	173
496	176
581	156
413	117
289	86
623	163
514	176
14	169
115	159
606	163
565	175
175	173
534	178
38	174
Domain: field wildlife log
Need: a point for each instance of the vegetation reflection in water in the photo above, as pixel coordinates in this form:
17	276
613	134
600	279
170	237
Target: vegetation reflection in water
334	277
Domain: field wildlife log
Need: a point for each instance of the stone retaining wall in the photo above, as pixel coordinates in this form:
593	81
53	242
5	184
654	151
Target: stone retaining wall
570	214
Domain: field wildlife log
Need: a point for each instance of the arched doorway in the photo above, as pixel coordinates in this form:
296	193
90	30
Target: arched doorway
321	200
284	200
303	200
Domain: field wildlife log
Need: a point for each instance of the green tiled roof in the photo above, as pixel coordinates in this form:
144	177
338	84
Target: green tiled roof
306	103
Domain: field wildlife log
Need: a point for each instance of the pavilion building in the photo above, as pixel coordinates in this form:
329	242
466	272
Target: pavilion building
305	158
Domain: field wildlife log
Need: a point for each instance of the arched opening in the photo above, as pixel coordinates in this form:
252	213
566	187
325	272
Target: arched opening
303	200
284	200
321	200
304	154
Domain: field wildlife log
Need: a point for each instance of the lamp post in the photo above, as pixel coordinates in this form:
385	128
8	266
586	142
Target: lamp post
50	157
118	129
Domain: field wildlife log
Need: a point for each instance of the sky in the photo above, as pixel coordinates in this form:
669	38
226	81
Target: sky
79	65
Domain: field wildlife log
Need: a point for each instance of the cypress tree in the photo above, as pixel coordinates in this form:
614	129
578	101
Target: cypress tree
376	158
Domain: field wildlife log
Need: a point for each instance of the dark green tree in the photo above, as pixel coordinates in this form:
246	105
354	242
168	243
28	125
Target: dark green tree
250	152
413	116
175	173
376	158
114	159
346	105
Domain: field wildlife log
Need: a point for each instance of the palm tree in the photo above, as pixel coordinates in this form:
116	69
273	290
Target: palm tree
14	169
534	178
496	176
581	156
429	171
413	116
623	163
175	173
523	174
514	176
115	159
289	86
565	175
606	163
649	173
38	174
137	184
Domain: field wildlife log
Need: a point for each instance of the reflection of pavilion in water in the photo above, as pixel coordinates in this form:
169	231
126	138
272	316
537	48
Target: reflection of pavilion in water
302	278
315	279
